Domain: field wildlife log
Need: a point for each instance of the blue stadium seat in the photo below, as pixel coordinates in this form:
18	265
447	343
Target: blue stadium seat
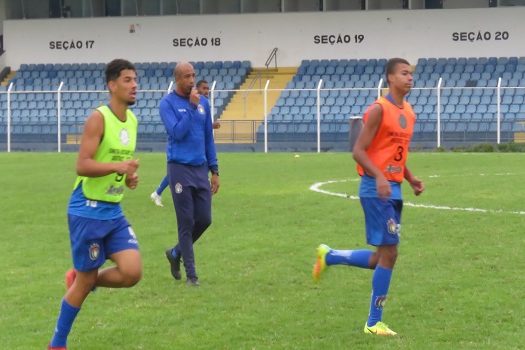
506	126
276	117
472	126
492	108
448	126
422	100
464	100
329	101
340	101
461	127
412	100
519	92
446	117
506	100
294	94
454	92
487	116
335	109
481	108
514	108
518	99
450	108
429	127
454	99
356	110
159	129
310	101
428	109
345	110
422	117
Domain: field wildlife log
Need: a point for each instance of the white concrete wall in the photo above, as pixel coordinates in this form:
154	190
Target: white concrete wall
351	34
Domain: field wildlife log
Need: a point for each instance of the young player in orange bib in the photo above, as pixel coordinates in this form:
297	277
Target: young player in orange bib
381	152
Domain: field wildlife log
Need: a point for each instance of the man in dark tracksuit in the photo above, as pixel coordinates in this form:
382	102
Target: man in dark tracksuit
191	156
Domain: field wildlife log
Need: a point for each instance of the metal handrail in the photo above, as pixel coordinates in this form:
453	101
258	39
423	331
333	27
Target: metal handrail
258	77
273	55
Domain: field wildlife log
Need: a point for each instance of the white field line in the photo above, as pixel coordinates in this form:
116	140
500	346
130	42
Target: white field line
316	187
481	174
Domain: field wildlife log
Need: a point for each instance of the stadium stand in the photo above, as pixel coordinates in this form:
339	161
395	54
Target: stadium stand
34	96
349	86
468	97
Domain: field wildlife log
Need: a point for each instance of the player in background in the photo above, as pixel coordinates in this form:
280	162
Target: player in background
191	159
97	227
381	152
203	89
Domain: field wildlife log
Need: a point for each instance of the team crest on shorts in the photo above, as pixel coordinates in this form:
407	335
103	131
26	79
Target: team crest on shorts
124	137
178	188
94	251
392	226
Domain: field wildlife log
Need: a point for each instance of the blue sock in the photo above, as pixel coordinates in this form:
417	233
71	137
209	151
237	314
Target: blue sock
357	258
380	284
65	321
164	183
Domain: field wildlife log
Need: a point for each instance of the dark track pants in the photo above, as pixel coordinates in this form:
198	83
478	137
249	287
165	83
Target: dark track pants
190	190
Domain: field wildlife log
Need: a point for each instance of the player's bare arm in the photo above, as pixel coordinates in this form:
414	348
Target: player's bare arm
417	185
91	137
359	153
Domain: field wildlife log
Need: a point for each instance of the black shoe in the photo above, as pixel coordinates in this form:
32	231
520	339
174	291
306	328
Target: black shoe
175	265
193	282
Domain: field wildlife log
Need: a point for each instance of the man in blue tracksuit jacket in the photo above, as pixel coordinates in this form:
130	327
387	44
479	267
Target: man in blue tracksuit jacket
191	156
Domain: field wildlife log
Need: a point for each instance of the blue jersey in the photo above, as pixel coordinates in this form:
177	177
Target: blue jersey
190	132
81	206
367	188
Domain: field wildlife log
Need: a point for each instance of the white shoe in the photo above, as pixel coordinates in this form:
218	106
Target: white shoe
156	199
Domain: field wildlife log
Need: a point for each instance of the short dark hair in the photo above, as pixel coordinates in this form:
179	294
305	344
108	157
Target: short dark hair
116	66
391	65
200	82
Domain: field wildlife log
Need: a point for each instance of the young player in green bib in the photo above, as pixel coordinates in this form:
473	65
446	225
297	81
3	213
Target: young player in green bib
97	227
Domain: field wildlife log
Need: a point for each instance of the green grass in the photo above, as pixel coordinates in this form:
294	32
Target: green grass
458	283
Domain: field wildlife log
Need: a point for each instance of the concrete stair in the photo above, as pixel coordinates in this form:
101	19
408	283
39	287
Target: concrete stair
244	113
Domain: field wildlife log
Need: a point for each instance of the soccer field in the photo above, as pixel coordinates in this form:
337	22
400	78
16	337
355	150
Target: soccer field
458	282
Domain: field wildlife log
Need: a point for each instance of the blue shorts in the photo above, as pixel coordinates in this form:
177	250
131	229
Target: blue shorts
93	241
382	219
